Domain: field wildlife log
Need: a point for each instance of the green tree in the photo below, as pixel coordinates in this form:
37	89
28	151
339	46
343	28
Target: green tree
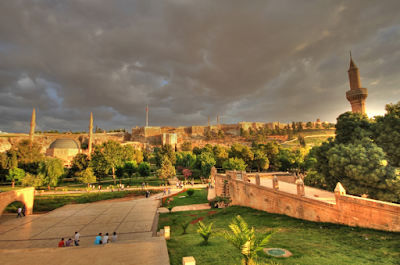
130	167
167	170
32	180
387	133
315	179
129	153
168	152
144	170
79	163
29	155
209	135
309	125
197	150
119	172
221	134
299	126
15	175
205	161
221	155
86	176
208	148
234	163
260	158
241	151
99	163
352	126
113	155
52	170
302	141
186	146
245	239
362	169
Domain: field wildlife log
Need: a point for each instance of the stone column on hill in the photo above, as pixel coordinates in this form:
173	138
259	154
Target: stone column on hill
258	182
208	120
275	183
33	124
90	135
217	120
300	188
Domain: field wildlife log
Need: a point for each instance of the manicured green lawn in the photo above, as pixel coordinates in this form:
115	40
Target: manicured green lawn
51	202
8	188
199	197
135	182
311	243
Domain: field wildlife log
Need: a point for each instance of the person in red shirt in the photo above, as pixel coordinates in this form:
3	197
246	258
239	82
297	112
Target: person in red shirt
61	243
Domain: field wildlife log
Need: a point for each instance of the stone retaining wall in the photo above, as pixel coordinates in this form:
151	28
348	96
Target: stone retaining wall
348	210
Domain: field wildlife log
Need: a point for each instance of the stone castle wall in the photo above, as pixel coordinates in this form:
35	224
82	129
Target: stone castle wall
45	140
348	210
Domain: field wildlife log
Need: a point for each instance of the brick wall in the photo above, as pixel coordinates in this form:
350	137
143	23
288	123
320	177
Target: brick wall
348	210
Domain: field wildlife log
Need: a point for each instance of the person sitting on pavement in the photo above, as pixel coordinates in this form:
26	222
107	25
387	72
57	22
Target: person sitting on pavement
97	241
105	239
68	243
114	237
61	243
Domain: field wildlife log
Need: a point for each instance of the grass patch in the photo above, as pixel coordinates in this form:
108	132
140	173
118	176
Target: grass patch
199	197
9	188
310	242
136	182
46	203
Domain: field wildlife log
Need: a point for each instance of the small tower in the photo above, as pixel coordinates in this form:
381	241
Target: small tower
33	124
357	94
90	135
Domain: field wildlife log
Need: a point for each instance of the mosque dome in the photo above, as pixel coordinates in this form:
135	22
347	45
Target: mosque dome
64	144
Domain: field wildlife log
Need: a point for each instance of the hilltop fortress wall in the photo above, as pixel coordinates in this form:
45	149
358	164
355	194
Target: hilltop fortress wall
155	134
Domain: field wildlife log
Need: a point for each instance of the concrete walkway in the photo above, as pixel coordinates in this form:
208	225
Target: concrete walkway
312	193
33	239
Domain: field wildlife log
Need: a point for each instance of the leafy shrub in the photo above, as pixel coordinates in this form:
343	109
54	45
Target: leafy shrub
185	225
190	192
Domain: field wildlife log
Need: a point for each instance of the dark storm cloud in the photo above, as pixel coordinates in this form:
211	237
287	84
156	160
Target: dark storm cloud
242	60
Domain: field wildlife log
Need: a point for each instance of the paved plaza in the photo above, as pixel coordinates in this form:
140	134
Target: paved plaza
35	238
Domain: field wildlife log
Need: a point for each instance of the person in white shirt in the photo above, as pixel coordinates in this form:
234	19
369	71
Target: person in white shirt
105	239
114	237
77	238
19	212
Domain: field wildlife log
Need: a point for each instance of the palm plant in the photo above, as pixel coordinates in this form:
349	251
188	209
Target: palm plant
185	225
245	239
174	219
169	207
205	232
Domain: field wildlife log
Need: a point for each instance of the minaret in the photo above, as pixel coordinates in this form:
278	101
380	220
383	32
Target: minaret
217	120
208	120
90	135
33	124
357	94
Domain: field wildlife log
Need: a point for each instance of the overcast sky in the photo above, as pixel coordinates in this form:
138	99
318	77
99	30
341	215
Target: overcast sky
259	61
